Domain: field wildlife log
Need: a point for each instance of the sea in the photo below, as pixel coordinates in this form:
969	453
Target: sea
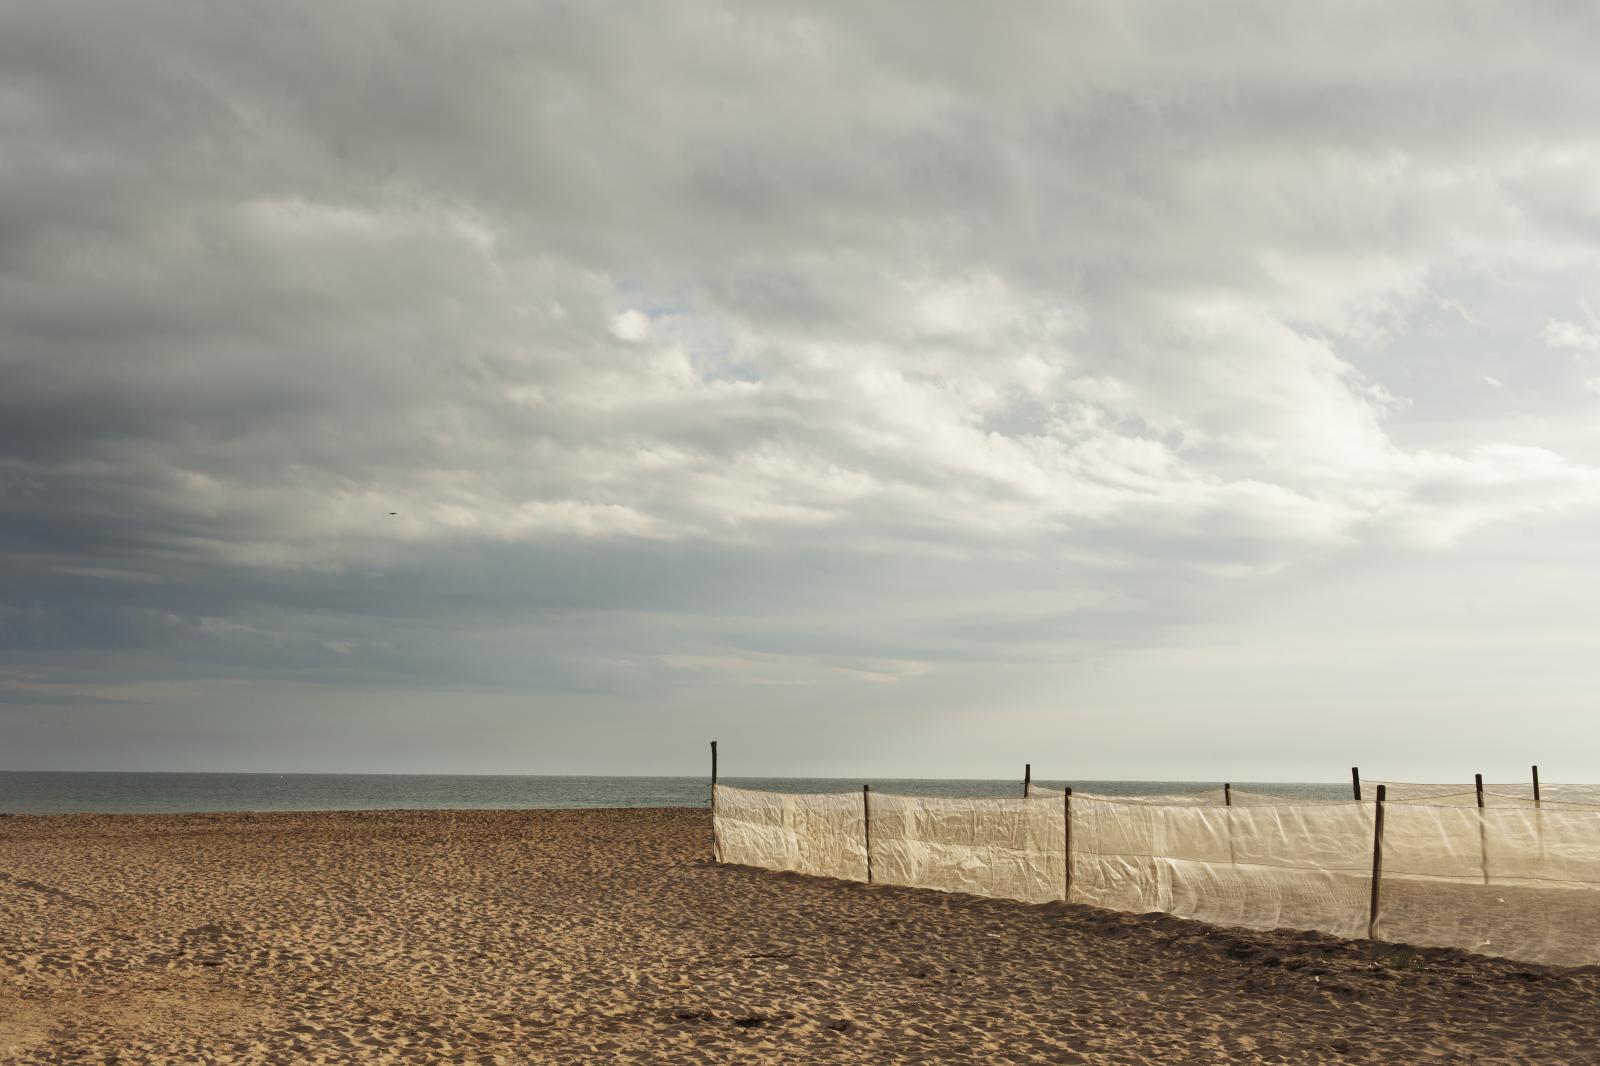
50	792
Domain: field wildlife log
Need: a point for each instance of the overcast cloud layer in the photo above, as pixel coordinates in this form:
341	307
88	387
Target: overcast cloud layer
1142	390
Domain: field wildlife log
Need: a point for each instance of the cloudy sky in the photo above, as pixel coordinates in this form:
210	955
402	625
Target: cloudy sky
1141	390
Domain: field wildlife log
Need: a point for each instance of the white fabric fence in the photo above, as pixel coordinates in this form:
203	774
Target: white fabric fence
1513	881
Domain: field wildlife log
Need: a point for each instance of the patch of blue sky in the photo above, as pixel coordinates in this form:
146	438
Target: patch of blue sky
675	322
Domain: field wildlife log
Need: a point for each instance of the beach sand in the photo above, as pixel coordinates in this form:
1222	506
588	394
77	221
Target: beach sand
601	936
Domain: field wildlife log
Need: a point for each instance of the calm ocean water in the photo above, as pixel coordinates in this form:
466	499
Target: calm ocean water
37	792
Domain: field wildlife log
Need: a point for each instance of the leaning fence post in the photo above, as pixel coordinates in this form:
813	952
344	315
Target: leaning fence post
1066	895
1355	782
1536	785
1027	779
866	825
716	849
1377	863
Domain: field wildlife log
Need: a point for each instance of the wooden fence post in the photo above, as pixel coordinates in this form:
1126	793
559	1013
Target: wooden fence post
1066	896
1027	779
1377	863
866	825
716	849
1227	801
1355	782
1538	819
1483	831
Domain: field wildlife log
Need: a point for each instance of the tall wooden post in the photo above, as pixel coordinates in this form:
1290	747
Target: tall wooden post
1066	895
1355	782
716	850
1538	820
1227	801
1027	779
866	825
1483	830
1377	862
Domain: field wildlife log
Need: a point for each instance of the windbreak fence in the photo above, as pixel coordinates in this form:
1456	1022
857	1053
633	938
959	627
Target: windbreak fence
1519	882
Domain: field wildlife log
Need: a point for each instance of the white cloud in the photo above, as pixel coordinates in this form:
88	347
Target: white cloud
631	325
1570	335
762	283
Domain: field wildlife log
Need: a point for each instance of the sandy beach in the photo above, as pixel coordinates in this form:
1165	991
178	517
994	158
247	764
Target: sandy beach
599	936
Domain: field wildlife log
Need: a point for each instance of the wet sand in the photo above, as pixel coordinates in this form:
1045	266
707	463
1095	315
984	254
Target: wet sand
607	936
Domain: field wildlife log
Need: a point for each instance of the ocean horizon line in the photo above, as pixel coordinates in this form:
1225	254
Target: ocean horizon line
1040	779
200	791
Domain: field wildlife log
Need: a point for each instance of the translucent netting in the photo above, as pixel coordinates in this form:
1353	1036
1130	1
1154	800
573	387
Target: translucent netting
1303	866
823	835
1413	791
1509	880
1244	798
1515	794
1208	797
1008	848
1553	796
1204	797
1579	795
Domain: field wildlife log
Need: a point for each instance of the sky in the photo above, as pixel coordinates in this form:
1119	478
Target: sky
1150	391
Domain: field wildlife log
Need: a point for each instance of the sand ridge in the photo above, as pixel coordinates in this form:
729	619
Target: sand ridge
608	936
